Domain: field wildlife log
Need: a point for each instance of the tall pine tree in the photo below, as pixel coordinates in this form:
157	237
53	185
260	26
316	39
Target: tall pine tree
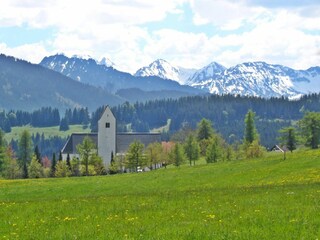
53	165
250	133
25	151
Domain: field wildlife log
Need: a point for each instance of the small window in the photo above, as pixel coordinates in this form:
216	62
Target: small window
107	125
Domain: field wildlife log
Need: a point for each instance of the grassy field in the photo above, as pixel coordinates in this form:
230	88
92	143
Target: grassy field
267	198
48	131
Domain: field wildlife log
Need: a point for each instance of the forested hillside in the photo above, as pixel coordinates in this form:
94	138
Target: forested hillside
226	112
27	86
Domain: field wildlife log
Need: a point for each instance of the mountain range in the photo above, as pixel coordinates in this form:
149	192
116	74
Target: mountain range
67	82
165	70
62	82
26	86
90	71
251	78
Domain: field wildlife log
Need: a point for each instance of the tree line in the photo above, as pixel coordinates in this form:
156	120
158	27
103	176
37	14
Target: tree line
44	117
187	145
225	112
29	162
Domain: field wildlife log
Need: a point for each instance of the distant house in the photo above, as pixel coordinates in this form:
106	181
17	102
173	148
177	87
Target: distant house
277	148
108	142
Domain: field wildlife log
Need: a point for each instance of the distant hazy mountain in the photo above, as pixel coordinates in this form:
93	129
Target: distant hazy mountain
28	86
90	72
165	70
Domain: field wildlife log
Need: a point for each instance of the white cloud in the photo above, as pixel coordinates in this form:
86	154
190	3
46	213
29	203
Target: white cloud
75	14
113	28
279	41
225	14
35	52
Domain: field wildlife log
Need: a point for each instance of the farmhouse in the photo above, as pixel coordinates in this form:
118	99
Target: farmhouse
107	140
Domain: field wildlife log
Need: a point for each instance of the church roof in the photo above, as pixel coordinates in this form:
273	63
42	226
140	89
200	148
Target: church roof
77	138
125	139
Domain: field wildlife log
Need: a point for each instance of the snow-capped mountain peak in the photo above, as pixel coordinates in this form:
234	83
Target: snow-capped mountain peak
106	62
84	56
251	78
162	68
207	72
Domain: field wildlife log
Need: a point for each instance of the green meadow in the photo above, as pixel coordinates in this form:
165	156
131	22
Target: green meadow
47	131
267	198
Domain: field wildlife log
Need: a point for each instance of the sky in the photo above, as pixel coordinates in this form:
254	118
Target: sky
186	33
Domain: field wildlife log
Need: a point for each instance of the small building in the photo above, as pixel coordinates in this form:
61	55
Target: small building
107	140
277	148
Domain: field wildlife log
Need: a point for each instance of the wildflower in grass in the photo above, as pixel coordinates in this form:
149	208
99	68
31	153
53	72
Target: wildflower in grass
211	216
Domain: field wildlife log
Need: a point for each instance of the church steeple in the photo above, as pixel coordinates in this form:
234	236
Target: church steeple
107	135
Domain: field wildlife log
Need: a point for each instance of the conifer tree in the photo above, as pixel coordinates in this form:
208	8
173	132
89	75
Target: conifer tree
214	150
37	154
35	169
205	129
53	164
288	137
64	124
25	150
310	126
250	133
2	150
68	161
177	155
191	149
135	157
85	150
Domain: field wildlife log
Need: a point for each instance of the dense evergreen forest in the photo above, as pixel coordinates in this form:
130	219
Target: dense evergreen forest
226	112
44	117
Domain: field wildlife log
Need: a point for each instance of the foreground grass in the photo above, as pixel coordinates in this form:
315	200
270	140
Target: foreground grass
47	131
254	199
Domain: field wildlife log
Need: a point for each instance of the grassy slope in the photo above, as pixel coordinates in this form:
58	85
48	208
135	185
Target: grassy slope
48	131
254	199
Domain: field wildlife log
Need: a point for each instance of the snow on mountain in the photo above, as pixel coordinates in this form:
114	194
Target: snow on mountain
307	81
91	72
165	70
84	56
252	79
106	62
75	67
212	70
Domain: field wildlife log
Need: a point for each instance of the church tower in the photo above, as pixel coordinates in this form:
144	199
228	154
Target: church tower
107	136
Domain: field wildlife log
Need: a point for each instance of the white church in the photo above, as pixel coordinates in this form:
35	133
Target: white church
107	140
